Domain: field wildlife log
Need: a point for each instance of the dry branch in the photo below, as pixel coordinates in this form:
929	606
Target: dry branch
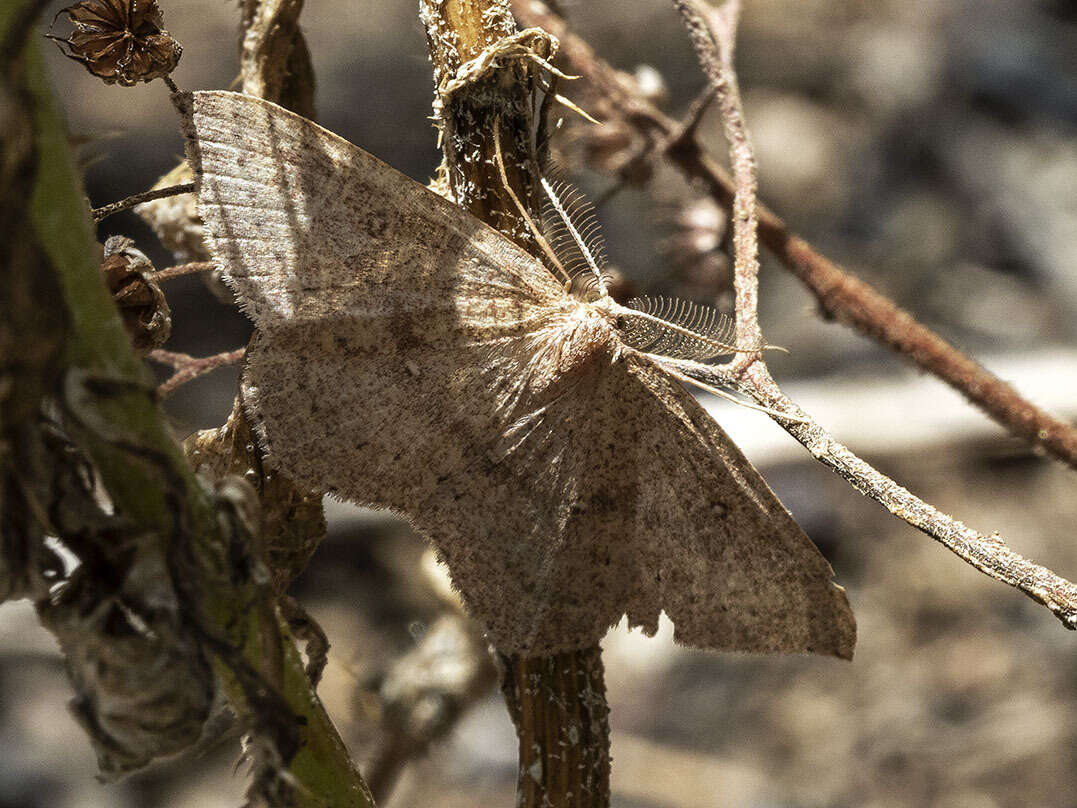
188	368
191	268
103	212
840	295
712	35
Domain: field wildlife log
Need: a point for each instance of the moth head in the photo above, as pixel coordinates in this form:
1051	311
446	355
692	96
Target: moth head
589	287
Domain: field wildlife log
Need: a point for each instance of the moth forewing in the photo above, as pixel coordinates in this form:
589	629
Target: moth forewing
408	356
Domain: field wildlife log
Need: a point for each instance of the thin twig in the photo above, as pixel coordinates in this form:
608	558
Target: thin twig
841	295
986	552
712	34
103	212
188	368
168	273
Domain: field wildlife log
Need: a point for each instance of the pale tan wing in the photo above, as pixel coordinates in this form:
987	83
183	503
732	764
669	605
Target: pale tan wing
410	357
724	558
632	499
372	295
300	217
400	356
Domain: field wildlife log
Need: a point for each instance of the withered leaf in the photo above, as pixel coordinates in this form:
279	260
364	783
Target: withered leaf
410	357
120	41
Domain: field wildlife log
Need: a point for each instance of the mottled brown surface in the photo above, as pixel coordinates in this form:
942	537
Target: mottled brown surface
410	357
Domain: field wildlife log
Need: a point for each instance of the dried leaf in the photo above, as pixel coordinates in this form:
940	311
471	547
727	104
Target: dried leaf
143	689
408	356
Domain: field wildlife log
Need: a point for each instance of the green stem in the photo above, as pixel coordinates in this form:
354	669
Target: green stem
115	417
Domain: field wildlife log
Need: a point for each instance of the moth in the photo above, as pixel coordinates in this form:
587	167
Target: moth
407	356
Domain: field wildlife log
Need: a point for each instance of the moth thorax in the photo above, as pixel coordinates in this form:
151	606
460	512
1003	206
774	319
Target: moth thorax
583	334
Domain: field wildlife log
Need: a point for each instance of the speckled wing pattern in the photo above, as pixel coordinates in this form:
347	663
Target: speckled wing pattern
408	356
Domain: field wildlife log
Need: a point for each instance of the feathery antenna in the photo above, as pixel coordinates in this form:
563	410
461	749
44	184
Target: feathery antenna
572	228
678	329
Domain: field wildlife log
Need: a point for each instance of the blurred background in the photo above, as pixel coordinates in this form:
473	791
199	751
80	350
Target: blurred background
931	148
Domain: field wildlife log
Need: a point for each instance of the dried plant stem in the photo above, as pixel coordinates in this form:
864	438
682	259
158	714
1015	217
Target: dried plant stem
275	60
103	212
854	302
986	552
712	32
557	702
188	368
841	295
424	693
714	46
168	273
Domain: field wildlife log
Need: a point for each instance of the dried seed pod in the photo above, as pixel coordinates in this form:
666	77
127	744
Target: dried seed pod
120	41
129	275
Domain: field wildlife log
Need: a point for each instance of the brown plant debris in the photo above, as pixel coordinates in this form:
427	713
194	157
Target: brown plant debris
187	368
120	41
130	278
143	688
411	357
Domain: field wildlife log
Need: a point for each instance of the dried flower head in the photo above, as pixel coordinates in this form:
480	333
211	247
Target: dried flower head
129	275
120	41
